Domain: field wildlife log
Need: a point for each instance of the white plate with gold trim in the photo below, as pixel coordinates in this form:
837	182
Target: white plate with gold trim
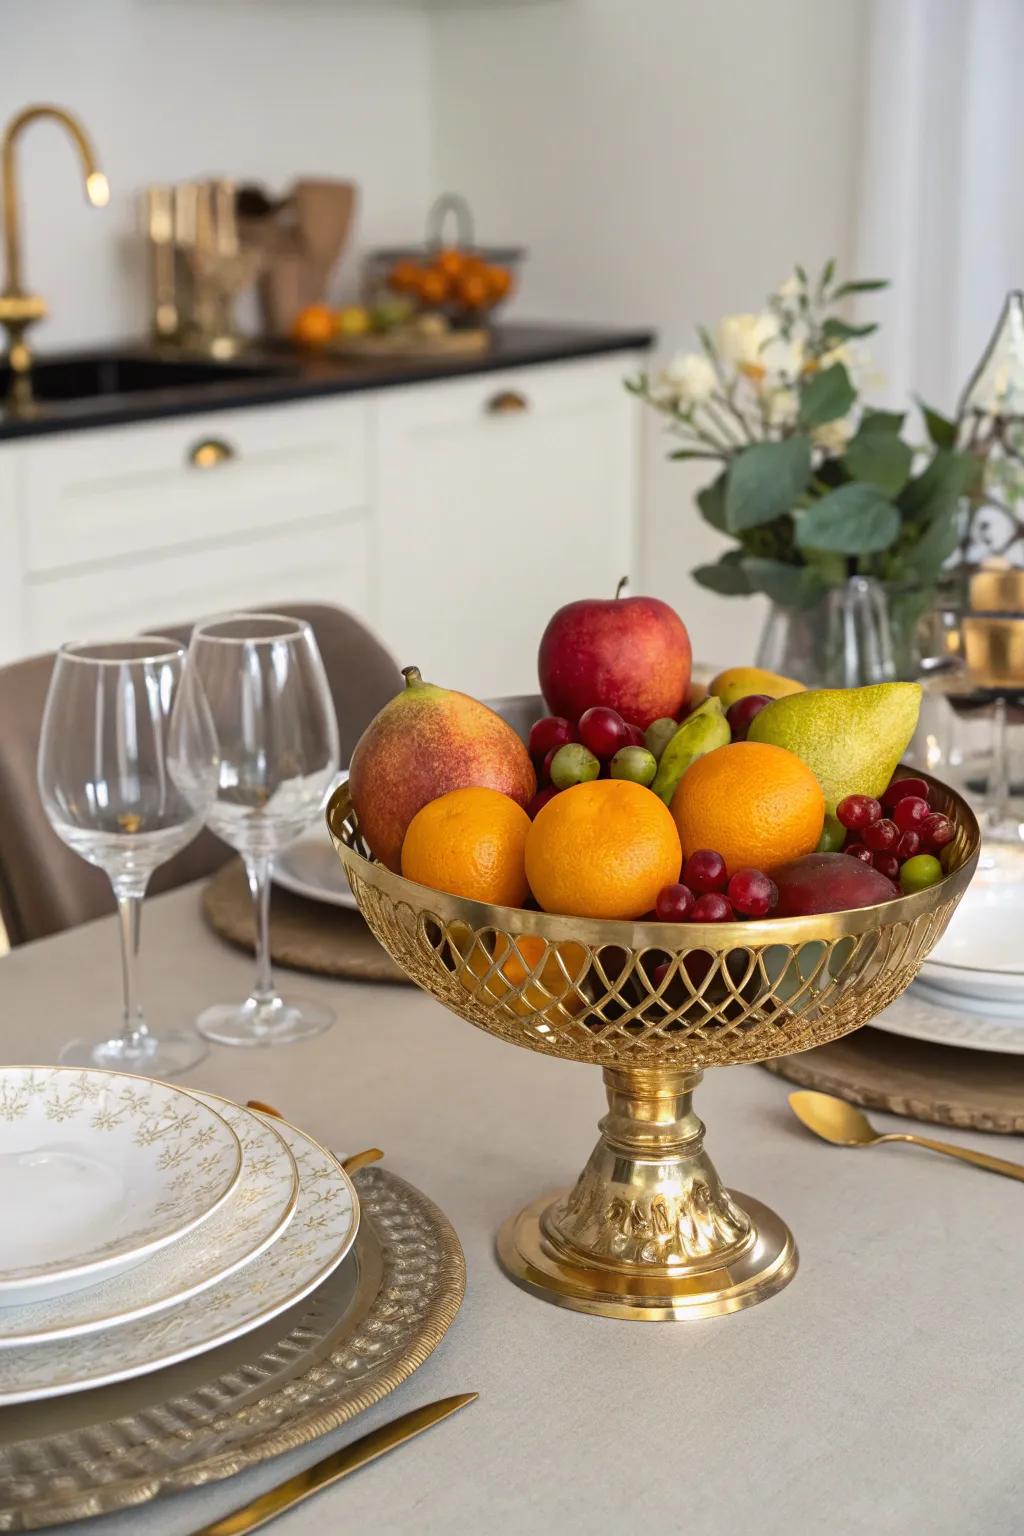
317	1238
99	1170
979	961
255	1214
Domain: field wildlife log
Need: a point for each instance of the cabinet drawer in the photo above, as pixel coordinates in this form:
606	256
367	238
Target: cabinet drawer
326	560
498	400
97	496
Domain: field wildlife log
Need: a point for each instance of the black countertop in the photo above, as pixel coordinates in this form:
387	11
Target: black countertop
275	376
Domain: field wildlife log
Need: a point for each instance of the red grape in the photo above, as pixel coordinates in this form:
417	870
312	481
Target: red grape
603	731
551	732
900	788
910	812
636	735
705	871
859	851
712	907
540	800
740	714
660	972
545	767
908	845
937	830
880	836
887	864
752	893
858	811
673	904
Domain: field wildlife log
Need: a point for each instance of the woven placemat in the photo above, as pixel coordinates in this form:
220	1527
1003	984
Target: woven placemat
942	1084
304	935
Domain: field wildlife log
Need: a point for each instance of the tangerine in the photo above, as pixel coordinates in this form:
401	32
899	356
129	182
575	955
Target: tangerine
470	842
313	326
431	287
757	805
602	849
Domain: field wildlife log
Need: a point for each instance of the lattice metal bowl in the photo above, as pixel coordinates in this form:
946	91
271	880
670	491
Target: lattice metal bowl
648	1230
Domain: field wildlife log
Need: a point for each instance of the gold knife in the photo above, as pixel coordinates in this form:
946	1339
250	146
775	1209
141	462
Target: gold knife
323	1473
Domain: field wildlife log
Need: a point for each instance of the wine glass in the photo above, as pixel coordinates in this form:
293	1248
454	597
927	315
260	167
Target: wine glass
107	789
263	680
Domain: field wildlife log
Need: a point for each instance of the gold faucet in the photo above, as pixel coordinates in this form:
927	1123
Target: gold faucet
18	309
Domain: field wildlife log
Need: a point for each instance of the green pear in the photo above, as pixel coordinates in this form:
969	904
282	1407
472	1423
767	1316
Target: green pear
702	731
851	738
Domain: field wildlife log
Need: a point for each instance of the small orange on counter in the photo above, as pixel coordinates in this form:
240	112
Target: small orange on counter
404	276
757	805
313	326
451	261
470	842
602	849
432	287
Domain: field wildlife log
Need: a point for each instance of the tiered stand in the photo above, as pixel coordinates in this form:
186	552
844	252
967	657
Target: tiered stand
649	1231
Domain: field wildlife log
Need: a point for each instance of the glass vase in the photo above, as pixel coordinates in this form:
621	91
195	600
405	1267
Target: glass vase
860	633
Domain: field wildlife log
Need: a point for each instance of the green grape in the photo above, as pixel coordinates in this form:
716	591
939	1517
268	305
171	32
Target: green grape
658	735
573	764
919	873
833	836
635	764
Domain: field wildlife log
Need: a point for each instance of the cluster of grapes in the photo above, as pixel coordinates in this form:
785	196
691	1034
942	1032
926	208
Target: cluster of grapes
900	834
602	745
708	894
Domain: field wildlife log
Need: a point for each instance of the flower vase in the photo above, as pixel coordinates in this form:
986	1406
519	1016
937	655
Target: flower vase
860	633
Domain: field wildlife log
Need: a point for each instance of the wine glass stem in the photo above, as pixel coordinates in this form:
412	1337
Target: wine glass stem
257	869
129	910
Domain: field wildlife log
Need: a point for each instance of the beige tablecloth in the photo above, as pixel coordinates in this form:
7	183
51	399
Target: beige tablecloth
878	1393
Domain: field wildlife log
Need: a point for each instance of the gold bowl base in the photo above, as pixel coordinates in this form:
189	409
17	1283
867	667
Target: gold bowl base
767	1262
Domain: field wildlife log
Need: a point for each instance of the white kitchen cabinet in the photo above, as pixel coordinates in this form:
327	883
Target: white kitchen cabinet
499	498
454	516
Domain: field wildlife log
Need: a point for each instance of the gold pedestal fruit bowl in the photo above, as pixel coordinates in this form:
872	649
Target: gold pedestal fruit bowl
649	1231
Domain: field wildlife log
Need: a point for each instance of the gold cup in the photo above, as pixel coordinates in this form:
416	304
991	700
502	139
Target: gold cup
648	1231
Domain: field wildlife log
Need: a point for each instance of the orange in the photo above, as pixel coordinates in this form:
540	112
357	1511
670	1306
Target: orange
602	849
451	262
470	842
431	287
499	281
755	804
541	996
313	326
404	276
472	290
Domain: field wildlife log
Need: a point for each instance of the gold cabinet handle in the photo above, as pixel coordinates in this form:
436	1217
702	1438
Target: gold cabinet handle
507	402
210	452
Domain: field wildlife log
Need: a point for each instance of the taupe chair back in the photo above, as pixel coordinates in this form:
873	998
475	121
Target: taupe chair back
44	887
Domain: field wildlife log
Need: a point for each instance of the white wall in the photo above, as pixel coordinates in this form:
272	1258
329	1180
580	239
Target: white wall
666	161
171	89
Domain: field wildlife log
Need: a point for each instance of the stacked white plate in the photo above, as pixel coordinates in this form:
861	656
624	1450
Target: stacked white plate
970	991
142	1223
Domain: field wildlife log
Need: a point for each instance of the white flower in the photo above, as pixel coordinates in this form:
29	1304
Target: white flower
833	436
690	377
742	338
782	406
790	289
782	357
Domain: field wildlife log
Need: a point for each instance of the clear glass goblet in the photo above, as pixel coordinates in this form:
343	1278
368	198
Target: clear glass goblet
262	678
106	786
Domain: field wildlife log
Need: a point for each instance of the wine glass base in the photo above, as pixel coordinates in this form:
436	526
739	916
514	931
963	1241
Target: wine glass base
767	1262
267	1023
159	1056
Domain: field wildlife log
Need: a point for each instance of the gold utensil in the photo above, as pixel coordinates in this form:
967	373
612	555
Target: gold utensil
351	1164
844	1126
323	1473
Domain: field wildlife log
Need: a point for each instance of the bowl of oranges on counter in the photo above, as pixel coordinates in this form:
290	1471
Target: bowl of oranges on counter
699	878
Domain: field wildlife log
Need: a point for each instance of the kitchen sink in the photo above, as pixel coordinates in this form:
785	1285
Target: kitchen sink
85	376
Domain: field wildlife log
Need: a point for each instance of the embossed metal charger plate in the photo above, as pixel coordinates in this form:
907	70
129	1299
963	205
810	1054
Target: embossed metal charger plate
353	1340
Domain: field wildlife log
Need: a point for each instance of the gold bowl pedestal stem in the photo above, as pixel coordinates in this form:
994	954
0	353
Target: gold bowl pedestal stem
648	1231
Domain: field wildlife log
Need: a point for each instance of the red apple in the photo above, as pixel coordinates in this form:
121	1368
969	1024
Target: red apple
630	654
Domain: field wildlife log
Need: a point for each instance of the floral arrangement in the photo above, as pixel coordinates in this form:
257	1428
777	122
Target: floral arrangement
813	484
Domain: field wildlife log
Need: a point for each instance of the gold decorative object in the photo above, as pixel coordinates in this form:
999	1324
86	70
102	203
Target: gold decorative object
18	309
354	1340
838	1122
648	1231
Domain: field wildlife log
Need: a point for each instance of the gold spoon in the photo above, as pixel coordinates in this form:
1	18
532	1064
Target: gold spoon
844	1126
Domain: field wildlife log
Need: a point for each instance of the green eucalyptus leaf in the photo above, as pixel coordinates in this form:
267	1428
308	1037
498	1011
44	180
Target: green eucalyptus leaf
727	576
882	421
936	492
711	501
929	554
941	431
693	453
853	520
841	330
791	586
764	481
879	458
826	397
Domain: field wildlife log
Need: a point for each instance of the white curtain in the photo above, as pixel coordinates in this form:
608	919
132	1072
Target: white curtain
941	205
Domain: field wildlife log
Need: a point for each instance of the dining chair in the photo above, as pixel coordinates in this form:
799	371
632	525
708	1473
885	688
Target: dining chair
44	887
